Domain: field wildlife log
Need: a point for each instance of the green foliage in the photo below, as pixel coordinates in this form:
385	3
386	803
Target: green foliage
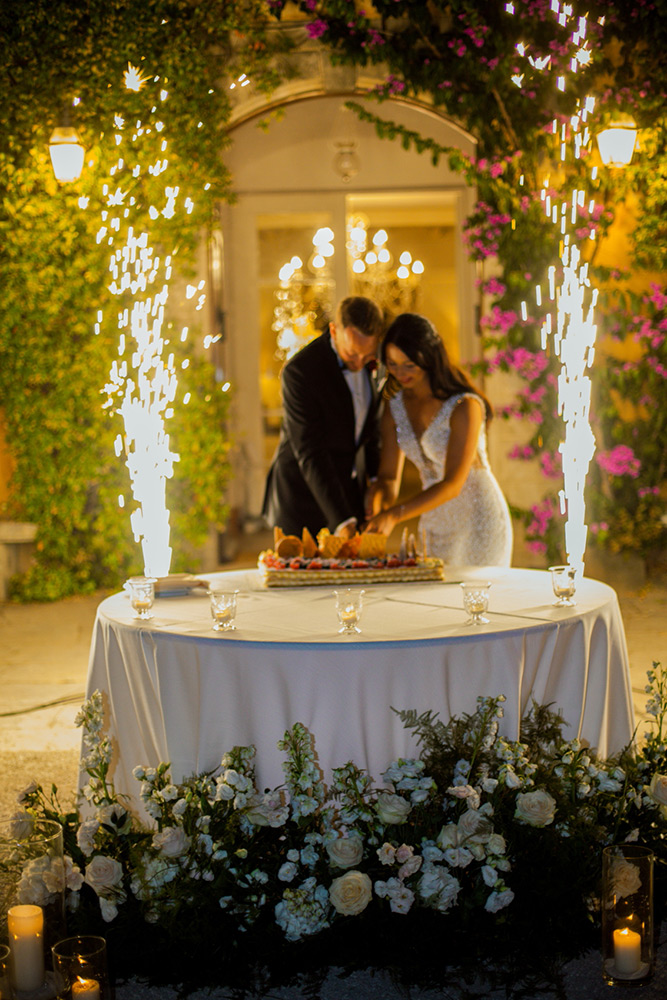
54	272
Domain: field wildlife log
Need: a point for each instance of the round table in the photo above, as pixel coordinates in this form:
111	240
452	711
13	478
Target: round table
178	691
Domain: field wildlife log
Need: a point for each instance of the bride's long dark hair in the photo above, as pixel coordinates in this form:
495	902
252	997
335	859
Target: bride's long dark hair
417	338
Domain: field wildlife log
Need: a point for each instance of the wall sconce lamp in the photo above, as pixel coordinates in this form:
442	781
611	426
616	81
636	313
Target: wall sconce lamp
346	162
66	151
617	143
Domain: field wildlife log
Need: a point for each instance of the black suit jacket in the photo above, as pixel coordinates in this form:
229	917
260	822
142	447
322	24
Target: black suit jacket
318	475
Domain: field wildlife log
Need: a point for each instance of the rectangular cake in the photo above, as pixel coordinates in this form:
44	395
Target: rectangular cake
299	571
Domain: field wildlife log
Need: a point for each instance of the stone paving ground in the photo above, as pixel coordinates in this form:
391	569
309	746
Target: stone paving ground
43	664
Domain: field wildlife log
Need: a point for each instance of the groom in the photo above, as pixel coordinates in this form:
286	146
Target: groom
329	441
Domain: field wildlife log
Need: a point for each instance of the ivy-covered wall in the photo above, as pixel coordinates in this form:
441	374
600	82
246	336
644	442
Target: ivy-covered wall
65	476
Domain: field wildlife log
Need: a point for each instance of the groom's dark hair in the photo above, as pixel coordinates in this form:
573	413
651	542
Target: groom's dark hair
362	313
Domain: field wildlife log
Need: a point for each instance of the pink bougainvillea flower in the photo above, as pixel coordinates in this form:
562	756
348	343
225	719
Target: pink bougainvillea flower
620	461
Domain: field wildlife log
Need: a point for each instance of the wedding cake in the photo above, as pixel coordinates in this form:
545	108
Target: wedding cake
334	561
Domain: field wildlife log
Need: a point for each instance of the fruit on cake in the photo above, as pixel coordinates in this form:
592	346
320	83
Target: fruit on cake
335	561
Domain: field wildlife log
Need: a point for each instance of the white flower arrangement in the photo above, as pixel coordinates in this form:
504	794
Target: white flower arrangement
460	832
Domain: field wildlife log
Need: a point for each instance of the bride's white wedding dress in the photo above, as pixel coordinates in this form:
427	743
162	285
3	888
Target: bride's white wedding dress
474	528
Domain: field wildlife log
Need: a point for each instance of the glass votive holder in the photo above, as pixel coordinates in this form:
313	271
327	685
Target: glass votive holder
223	609
562	581
476	601
4	970
80	968
349	605
142	596
32	903
627	915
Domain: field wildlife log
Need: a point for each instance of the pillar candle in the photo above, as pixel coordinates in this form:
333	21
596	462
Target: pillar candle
26	928
86	989
627	951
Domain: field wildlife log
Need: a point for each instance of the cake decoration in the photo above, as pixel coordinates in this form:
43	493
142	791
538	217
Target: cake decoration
331	561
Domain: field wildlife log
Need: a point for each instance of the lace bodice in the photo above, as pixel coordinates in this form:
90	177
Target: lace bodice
428	452
474	528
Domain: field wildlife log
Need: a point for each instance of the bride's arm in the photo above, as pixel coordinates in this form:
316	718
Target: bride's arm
384	490
464	424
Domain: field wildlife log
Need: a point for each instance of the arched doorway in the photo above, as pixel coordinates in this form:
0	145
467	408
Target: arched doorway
317	168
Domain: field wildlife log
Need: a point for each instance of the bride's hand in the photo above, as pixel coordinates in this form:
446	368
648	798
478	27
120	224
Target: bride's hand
382	524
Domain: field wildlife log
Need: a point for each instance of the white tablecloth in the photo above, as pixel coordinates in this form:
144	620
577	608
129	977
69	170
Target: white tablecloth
180	692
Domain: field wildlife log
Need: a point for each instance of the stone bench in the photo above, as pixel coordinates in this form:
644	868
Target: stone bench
16	548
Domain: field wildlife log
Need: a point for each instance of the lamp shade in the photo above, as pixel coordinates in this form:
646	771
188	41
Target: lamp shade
617	144
66	154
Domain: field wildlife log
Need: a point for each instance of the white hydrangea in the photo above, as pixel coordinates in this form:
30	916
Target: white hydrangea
303	911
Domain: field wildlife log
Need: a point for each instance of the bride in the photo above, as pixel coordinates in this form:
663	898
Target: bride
436	417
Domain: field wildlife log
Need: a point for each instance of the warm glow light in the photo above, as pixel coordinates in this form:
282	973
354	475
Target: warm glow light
617	144
67	154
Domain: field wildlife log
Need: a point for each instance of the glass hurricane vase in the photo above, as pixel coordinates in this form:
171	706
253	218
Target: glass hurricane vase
627	915
32	901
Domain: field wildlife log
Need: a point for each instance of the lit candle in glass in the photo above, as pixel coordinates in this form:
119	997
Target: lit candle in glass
26	929
627	951
86	989
348	615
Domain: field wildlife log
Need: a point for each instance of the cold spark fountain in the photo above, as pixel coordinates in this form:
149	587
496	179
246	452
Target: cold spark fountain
142	384
574	335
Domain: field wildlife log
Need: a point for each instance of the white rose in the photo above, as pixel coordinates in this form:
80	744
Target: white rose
351	893
171	842
345	852
392	809
496	844
658	789
536	808
103	873
625	877
474	827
